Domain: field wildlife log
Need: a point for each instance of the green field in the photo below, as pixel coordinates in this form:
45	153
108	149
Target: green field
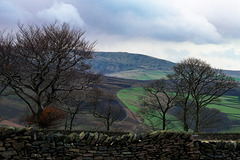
237	78
175	125
147	74
227	104
130	97
233	129
140	75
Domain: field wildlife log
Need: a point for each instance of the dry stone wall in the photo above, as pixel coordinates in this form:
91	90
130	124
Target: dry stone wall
33	144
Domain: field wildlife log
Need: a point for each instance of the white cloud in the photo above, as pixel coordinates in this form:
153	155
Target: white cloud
11	14
187	26
61	12
29	12
161	20
219	56
224	14
172	29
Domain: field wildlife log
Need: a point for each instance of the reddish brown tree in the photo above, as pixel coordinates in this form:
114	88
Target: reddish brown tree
49	117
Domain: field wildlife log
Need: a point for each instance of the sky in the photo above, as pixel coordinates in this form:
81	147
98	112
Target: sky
168	29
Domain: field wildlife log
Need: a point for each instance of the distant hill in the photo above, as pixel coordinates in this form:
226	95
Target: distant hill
111	62
235	74
136	66
128	68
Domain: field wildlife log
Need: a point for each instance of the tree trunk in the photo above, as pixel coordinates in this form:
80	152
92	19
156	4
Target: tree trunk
196	130
65	126
185	126
39	108
164	122
71	123
108	125
3	89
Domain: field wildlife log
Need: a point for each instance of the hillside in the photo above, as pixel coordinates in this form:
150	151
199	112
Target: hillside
122	71
12	109
140	67
136	66
111	62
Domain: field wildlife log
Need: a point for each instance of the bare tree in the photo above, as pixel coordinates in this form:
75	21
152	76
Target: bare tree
153	118
3	88
45	64
149	116
199	85
185	102
8	65
105	108
159	97
73	106
210	119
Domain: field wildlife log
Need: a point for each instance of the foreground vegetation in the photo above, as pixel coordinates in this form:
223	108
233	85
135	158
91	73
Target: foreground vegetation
227	104
130	97
49	68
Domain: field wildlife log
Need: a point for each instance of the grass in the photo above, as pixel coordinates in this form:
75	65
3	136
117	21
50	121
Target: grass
149	75
175	124
233	129
11	109
237	78
146	74
130	97
227	104
141	74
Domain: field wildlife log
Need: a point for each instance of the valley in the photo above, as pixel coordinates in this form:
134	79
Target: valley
125	74
229	104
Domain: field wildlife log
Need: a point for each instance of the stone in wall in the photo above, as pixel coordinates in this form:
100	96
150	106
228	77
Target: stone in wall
27	143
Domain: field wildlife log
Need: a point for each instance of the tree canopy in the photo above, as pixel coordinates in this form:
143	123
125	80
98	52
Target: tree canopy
44	64
198	85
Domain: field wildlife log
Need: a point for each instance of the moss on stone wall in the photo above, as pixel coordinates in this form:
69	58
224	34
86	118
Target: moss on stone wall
26	143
